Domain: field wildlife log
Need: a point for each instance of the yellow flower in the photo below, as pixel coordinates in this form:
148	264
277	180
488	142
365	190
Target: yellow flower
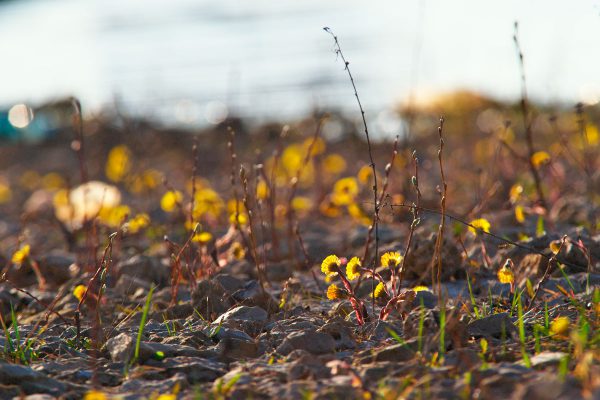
95	395
170	200
317	148
329	209
479	224
207	202
114	216
519	214
540	158
345	190
301	203
169	396
53	181
202	237
555	246
30	179
242	219
331	264
79	291
334	164
292	158
353	268
559	326
237	251
5	193
262	190
592	134
365	174
505	274
358	214
21	255
420	288
515	192
391	259
379	290
140	221
118	163
334	292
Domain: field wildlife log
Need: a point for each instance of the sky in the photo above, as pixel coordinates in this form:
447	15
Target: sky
193	61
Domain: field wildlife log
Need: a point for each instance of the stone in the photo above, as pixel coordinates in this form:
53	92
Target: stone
547	358
243	313
210	299
253	295
30	381
311	341
496	325
397	352
150	269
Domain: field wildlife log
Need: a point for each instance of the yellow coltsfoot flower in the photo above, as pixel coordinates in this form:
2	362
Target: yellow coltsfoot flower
505	274
379	290
79	291
353	268
331	265
335	293
21	255
391	259
479	224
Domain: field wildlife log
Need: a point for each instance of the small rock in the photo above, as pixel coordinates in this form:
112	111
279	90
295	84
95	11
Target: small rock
211	299
496	325
396	352
243	313
547	358
150	269
313	342
253	295
29	381
121	348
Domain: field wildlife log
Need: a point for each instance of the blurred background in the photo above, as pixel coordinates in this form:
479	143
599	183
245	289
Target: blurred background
195	62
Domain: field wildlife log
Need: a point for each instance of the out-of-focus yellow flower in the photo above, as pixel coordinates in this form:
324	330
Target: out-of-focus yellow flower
152	178
242	219
365	174
5	193
334	292
540	158
479	224
505	274
237	251
331	264
353	268
592	134
420	288
555	246
560	326
30	179
114	216
519	214
515	193
262	190
53	181
329	209
347	186
168	396
292	159
391	259
118	163
202	237
137	223
379	290
317	148
207	202
358	214
233	206
301	203
334	164
171	200
95	395
21	255
79	291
